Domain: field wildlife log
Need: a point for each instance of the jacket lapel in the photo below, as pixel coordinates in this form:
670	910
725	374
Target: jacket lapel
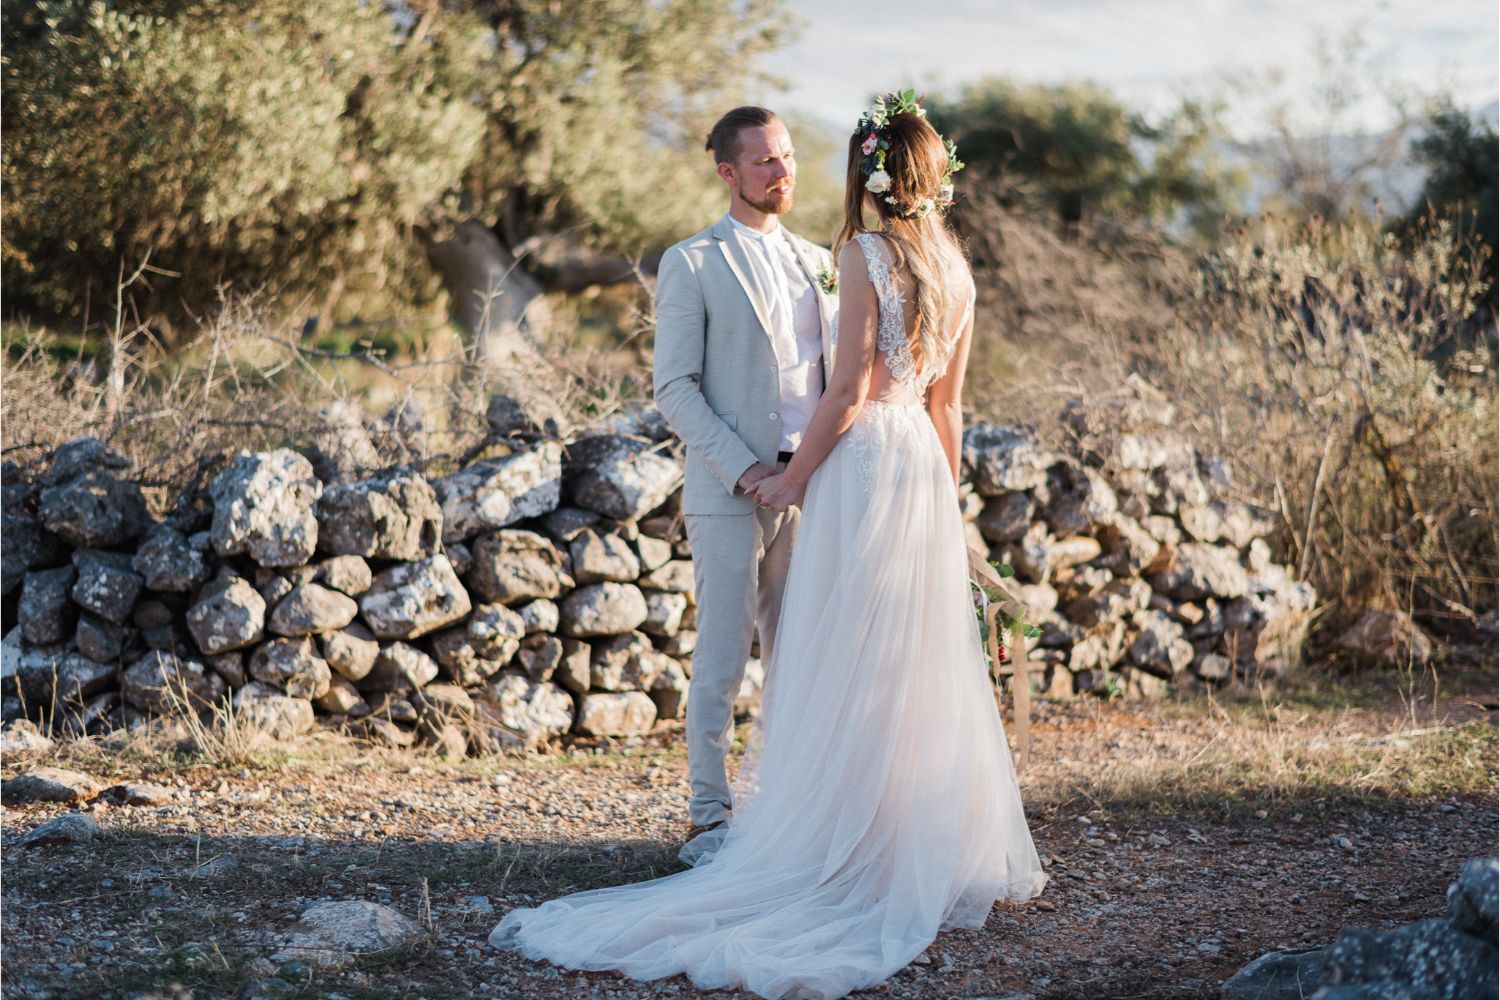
734	254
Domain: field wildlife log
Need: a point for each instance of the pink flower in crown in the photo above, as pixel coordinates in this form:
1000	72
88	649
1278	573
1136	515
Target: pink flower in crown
869	146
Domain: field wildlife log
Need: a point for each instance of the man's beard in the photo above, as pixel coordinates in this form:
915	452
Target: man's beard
775	202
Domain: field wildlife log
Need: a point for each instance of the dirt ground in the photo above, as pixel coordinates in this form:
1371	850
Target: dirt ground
1183	839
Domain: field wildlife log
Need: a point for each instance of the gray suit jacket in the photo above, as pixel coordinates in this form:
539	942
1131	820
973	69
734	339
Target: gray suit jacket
715	373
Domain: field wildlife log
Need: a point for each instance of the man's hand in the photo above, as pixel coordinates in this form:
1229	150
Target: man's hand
753	475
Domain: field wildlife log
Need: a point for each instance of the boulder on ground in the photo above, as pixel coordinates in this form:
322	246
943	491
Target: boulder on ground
163	683
107	586
310	608
626	713
171	562
1385	639
230	614
84	503
278	715
602	609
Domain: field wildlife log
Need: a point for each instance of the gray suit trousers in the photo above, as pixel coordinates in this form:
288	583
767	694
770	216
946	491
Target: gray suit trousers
739	566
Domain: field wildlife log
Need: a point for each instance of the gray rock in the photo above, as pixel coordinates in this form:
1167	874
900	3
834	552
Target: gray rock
1134	451
49	784
1427	960
664	613
1212	667
654	552
576	666
394	516
625	663
1072	550
670	690
1474	900
347	574
1078	497
158	626
230	614
1032	555
69	828
291	666
508	416
1004	459
1379	638
383	732
334	935
85	504
1006	517
460	556
598	556
640	420
488	495
620	477
28	546
511	566
447	700
106	585
628	713
58	677
231	667
539	616
45	613
169	562
400	668
279	716
136	793
1196	571
1279	975
161	682
342	698
264	507
564	523
1131	547
99	640
469	653
393	706
311	608
1100	648
680	645
412	599
534	710
1159	645
675	576
21	736
1113	602
747	699
351	652
90	716
602	609
540	656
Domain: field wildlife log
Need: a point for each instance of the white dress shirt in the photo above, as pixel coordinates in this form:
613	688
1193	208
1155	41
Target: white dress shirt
796	325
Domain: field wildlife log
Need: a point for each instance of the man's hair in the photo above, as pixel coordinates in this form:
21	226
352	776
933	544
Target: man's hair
724	138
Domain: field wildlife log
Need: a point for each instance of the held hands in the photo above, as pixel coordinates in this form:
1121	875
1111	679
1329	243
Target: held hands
753	475
778	493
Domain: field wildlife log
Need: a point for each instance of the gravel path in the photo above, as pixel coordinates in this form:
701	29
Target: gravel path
1154	892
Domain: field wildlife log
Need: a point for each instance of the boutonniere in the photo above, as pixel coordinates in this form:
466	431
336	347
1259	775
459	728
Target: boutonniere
828	281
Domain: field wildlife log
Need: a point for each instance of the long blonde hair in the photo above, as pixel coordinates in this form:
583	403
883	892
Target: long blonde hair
916	162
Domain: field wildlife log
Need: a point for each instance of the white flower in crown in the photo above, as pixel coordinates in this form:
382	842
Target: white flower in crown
945	193
879	182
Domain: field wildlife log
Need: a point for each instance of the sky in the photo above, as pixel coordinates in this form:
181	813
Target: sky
1150	53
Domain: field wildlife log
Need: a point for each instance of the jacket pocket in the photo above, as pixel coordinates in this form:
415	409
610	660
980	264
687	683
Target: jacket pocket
730	419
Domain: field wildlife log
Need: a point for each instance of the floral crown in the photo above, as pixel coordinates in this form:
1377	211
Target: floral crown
872	126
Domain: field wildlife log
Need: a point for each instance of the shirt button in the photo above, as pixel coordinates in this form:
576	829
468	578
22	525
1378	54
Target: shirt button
773	416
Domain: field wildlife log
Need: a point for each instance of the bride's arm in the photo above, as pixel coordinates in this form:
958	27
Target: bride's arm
847	387
945	398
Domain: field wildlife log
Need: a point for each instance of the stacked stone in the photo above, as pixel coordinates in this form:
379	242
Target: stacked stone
1138	562
549	589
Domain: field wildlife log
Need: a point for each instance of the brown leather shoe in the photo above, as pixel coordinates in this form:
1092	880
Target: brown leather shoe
695	831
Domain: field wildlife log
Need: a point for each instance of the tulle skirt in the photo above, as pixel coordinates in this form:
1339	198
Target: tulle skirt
877	803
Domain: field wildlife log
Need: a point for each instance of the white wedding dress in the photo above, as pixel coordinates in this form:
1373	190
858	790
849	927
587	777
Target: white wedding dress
877	804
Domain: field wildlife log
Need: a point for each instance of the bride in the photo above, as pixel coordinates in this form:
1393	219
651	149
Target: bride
877	803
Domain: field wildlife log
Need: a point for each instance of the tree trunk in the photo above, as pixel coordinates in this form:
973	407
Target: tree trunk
495	300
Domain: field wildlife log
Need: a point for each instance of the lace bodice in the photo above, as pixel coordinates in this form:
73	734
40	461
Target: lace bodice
890	334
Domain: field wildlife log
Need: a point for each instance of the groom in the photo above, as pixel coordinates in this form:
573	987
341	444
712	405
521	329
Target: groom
744	330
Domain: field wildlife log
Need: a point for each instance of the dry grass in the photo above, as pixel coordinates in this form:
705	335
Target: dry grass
1346	375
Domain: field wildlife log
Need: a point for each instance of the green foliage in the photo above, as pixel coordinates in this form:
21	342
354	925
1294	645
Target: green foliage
1081	151
1463	159
274	144
292	148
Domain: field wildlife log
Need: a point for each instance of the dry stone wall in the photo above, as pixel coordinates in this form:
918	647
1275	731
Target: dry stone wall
549	589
